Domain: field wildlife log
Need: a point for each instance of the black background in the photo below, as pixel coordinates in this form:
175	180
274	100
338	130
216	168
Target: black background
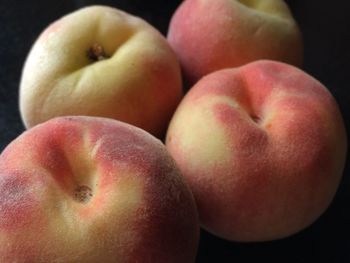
326	30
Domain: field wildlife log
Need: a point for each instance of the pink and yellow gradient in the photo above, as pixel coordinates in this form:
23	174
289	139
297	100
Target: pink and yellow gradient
210	35
86	189
262	147
101	61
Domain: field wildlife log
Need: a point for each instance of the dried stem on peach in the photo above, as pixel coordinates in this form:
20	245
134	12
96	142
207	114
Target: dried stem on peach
96	53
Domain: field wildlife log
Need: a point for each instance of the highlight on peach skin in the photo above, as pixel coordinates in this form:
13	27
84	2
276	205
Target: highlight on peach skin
88	189
101	61
210	35
262	147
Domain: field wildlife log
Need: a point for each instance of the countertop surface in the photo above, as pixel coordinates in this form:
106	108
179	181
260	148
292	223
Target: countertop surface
326	31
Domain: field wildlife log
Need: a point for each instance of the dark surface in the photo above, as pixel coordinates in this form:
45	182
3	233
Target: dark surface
326	29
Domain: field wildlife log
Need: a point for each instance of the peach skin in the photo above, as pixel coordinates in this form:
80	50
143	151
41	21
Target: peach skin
88	189
210	35
100	61
262	147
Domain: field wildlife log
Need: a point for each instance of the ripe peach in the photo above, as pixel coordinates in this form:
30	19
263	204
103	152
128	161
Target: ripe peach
100	61
210	35
262	147
88	189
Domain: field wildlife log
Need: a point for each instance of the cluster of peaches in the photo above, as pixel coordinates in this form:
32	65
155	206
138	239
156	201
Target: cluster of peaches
120	164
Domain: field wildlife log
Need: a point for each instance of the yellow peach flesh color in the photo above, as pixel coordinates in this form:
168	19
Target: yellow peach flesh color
100	61
213	141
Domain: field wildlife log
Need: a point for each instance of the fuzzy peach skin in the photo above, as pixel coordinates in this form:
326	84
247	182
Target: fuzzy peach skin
210	35
100	61
262	147
88	189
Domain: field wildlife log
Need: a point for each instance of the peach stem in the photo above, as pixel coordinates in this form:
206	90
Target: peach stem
96	53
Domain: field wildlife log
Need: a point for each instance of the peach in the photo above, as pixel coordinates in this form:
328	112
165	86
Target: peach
89	189
100	61
262	147
210	35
